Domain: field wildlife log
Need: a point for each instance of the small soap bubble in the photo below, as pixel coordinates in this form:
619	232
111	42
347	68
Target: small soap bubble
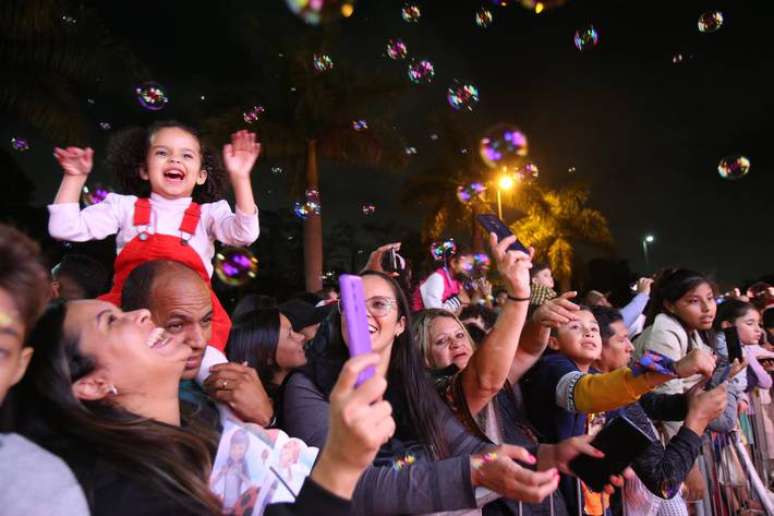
502	146
528	171
586	38
410	151
571	170
710	21
253	114
411	13
69	20
359	125
483	17
396	49
20	144
151	96
276	170
462	96
734	167
322	63
421	71
105	126
443	249
467	193
95	194
434	137
368	209
316	12
235	266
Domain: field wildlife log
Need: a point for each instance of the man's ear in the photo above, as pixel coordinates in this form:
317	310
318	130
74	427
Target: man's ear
553	343
21	366
92	387
201	178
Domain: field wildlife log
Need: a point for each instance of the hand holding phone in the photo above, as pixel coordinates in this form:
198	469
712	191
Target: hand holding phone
621	442
356	320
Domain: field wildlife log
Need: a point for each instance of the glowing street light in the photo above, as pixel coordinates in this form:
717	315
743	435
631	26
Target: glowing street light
648	239
506	182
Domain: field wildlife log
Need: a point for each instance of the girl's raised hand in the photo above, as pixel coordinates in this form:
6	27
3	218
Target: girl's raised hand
239	156
75	161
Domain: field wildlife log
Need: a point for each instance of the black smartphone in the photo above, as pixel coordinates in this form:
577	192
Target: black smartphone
392	262
733	344
621	442
719	375
492	224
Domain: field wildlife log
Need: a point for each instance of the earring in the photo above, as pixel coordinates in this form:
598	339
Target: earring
113	390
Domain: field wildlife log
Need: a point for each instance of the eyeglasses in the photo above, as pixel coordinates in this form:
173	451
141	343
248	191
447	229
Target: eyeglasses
378	306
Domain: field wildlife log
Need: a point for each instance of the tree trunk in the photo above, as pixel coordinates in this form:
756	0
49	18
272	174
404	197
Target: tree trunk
313	246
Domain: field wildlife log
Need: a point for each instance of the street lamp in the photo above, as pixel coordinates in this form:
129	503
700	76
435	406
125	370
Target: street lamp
648	239
505	182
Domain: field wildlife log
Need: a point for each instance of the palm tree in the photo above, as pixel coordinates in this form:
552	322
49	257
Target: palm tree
50	56
556	221
309	117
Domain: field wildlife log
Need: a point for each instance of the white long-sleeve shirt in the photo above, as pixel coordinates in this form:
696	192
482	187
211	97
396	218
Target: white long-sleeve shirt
115	215
432	294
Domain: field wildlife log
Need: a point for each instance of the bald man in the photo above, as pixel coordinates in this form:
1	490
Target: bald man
179	301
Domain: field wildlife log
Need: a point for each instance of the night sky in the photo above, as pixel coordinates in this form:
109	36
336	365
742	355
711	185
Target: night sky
644	133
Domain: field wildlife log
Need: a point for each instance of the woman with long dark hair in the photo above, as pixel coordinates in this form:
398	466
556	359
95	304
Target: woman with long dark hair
266	341
102	393
431	464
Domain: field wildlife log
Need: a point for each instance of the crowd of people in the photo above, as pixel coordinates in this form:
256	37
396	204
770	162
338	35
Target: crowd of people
117	393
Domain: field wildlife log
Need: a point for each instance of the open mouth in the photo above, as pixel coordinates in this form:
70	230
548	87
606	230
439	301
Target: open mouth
372	329
157	339
174	174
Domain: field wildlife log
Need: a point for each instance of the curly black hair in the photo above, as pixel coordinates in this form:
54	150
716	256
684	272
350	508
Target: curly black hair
127	152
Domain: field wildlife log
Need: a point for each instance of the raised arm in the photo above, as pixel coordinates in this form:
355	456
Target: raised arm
489	366
537	330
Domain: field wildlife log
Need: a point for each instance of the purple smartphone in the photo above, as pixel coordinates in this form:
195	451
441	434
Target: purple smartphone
356	319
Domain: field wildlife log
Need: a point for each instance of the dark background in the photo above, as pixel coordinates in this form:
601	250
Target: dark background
645	134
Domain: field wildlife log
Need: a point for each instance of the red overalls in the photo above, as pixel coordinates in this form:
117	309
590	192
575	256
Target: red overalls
146	247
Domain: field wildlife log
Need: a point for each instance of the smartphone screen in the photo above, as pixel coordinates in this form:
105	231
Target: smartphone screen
390	261
621	442
733	344
492	224
356	320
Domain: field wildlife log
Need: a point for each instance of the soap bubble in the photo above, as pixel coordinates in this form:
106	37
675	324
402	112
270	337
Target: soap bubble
411	13
538	6
253	114
502	146
481	263
309	206
94	195
359	125
483	17
410	151
20	144
368	209
105	126
677	58
396	49
69	20
462	96
733	167
443	249
235	266
467	193
434	137
710	21
528	171
586	38
276	170
421	71
571	170
151	96
322	62
315	12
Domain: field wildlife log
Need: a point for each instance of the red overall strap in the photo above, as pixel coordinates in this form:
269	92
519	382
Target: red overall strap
142	211
191	218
